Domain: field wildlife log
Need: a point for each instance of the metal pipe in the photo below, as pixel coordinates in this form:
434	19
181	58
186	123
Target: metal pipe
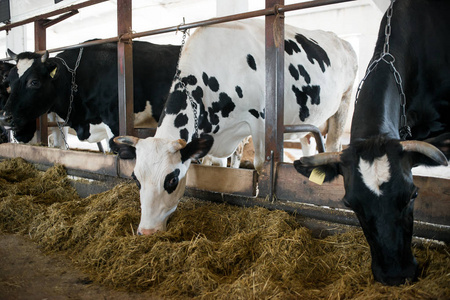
51	14
307	128
181	27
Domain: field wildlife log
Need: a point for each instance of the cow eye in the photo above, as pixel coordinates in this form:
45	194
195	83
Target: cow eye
414	194
171	181
137	181
33	83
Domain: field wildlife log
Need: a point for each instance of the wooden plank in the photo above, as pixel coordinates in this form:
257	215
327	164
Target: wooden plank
293	186
98	163
432	205
222	180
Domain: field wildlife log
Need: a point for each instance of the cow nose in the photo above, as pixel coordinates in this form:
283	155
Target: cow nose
146	231
397	278
5	120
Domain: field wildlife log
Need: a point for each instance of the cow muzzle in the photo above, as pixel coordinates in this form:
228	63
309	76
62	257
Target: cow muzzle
146	231
5	119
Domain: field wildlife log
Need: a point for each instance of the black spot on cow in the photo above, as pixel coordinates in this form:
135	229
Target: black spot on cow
313	51
211	82
294	72
290	47
226	105
251	62
216	129
205	78
301	100
304	73
176	102
181	120
263	114
197	94
213	117
189	80
171	181
254	113
239	91
313	91
184	134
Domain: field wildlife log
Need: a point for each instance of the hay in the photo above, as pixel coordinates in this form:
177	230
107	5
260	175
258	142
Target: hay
212	251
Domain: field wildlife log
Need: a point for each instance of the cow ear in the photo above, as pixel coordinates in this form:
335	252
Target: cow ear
327	172
53	70
177	145
126	140
197	148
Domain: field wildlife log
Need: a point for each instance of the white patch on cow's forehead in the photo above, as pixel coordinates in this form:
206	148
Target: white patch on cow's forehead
23	65
375	174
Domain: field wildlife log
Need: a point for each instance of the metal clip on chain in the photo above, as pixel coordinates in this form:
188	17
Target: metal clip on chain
387	57
73	89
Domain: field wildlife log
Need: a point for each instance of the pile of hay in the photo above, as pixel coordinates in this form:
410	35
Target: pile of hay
209	251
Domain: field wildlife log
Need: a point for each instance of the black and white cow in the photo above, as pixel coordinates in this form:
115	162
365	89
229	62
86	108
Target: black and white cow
44	85
377	165
222	76
5	69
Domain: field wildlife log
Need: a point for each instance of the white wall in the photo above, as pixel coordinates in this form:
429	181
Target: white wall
357	21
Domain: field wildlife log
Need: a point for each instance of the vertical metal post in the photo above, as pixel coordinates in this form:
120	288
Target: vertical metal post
125	68
274	123
40	43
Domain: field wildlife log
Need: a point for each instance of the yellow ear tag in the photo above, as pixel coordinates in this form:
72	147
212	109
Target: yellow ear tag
52	73
317	176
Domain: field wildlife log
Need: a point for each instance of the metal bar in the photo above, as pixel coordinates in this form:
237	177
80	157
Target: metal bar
274	122
40	42
256	13
51	14
60	18
125	68
307	128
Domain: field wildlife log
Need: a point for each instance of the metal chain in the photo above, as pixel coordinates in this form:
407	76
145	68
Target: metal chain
183	85
73	89
387	57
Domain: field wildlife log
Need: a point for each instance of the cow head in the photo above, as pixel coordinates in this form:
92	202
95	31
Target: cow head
160	171
379	188
32	93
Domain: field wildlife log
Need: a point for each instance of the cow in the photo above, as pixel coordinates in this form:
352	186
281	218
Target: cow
217	100
5	69
45	85
376	166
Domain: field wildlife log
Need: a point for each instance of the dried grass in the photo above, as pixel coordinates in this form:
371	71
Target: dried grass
211	251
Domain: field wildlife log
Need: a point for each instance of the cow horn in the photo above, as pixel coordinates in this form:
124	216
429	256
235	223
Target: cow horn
321	159
44	57
177	145
126	140
426	149
12	54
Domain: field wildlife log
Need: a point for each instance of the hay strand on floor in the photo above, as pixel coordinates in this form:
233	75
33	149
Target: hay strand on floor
212	251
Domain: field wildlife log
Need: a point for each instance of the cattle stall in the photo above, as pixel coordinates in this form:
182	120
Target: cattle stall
278	186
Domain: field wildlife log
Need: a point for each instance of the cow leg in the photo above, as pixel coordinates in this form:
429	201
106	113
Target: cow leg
336	124
308	145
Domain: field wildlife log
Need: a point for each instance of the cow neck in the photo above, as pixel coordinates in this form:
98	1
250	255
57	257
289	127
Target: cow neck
377	111
73	86
404	131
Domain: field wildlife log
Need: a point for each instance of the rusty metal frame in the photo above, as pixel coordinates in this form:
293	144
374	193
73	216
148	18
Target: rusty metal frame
277	178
